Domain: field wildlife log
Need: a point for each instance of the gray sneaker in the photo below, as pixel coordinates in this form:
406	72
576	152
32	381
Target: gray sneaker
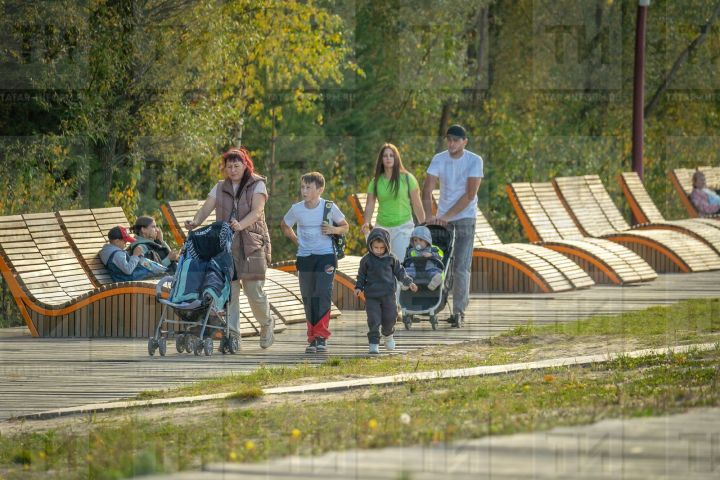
435	281
321	346
267	334
374	349
312	347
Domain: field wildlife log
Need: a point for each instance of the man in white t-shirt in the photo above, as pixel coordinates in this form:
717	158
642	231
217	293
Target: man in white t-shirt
460	173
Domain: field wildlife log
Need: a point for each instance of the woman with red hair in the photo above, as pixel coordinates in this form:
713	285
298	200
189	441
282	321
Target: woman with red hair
240	200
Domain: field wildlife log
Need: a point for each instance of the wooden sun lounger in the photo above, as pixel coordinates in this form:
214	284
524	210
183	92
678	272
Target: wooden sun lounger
176	212
86	231
53	292
681	180
644	209
546	221
515	267
594	212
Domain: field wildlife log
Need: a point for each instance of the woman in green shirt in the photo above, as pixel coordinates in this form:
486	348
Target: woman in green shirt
398	195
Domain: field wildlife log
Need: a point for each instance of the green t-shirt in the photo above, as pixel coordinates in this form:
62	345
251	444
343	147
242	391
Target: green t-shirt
393	209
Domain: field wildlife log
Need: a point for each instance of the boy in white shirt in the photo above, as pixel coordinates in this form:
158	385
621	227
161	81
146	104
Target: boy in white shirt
460	172
316	260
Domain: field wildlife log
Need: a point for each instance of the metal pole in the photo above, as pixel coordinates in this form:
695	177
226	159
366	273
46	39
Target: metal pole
639	89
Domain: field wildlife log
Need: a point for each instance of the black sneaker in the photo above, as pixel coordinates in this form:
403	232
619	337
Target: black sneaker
312	347
321	347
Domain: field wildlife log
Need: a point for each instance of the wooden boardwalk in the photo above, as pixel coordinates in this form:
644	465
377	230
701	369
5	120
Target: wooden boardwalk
38	374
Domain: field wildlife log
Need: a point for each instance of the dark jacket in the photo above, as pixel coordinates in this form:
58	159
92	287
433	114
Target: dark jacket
376	275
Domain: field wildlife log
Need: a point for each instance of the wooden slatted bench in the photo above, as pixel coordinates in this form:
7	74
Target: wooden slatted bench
594	212
546	222
53	292
497	267
176	212
86	231
649	217
343	295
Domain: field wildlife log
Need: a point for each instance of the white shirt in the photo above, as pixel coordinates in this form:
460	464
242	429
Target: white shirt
311	240
260	187
453	174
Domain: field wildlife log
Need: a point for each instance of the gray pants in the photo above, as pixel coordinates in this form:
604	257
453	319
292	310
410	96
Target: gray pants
381	312
464	239
257	298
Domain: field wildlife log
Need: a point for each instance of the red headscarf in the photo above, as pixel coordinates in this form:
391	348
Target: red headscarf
243	155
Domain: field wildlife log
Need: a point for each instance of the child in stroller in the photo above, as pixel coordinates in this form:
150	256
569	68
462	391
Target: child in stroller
435	269
199	294
421	246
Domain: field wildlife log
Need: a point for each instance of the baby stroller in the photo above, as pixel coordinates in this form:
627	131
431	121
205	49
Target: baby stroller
199	294
425	301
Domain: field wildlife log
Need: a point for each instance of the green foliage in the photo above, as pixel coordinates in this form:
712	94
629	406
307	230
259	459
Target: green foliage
142	97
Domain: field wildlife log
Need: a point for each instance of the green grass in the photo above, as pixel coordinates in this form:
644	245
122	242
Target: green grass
686	321
434	412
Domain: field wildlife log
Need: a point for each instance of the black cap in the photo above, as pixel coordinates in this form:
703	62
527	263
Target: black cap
456	131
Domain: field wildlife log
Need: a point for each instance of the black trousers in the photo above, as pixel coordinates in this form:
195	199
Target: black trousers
316	274
381	312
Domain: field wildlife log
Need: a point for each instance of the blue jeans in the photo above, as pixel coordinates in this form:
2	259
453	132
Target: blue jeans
464	240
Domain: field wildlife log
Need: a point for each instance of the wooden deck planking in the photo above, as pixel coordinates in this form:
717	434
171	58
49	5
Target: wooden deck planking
39	374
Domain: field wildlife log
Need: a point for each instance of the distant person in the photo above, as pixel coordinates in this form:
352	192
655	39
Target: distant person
316	260
150	244
397	194
122	266
460	172
705	200
240	200
379	270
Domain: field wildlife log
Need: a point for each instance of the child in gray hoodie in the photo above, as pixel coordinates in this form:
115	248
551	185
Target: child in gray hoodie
376	277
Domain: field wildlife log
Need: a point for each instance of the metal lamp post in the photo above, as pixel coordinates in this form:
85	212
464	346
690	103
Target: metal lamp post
639	89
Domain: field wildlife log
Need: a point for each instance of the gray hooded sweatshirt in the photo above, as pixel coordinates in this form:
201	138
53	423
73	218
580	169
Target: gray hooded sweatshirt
376	275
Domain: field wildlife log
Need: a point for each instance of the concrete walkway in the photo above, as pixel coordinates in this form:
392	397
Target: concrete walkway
684	446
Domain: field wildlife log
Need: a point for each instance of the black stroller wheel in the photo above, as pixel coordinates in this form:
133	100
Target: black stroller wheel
433	322
233	344
407	321
180	342
152	346
207	346
162	346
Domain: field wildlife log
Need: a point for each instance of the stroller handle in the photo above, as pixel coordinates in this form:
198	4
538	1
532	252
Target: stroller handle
159	287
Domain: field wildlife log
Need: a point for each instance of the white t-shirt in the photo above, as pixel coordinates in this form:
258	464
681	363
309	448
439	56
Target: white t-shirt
260	187
311	240
453	174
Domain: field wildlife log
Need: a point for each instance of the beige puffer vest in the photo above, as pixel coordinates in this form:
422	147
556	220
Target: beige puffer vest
251	247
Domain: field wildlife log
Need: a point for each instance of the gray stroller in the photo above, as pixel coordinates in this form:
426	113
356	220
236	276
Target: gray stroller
427	302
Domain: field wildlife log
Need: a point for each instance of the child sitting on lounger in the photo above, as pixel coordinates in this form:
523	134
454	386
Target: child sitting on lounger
422	246
124	267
